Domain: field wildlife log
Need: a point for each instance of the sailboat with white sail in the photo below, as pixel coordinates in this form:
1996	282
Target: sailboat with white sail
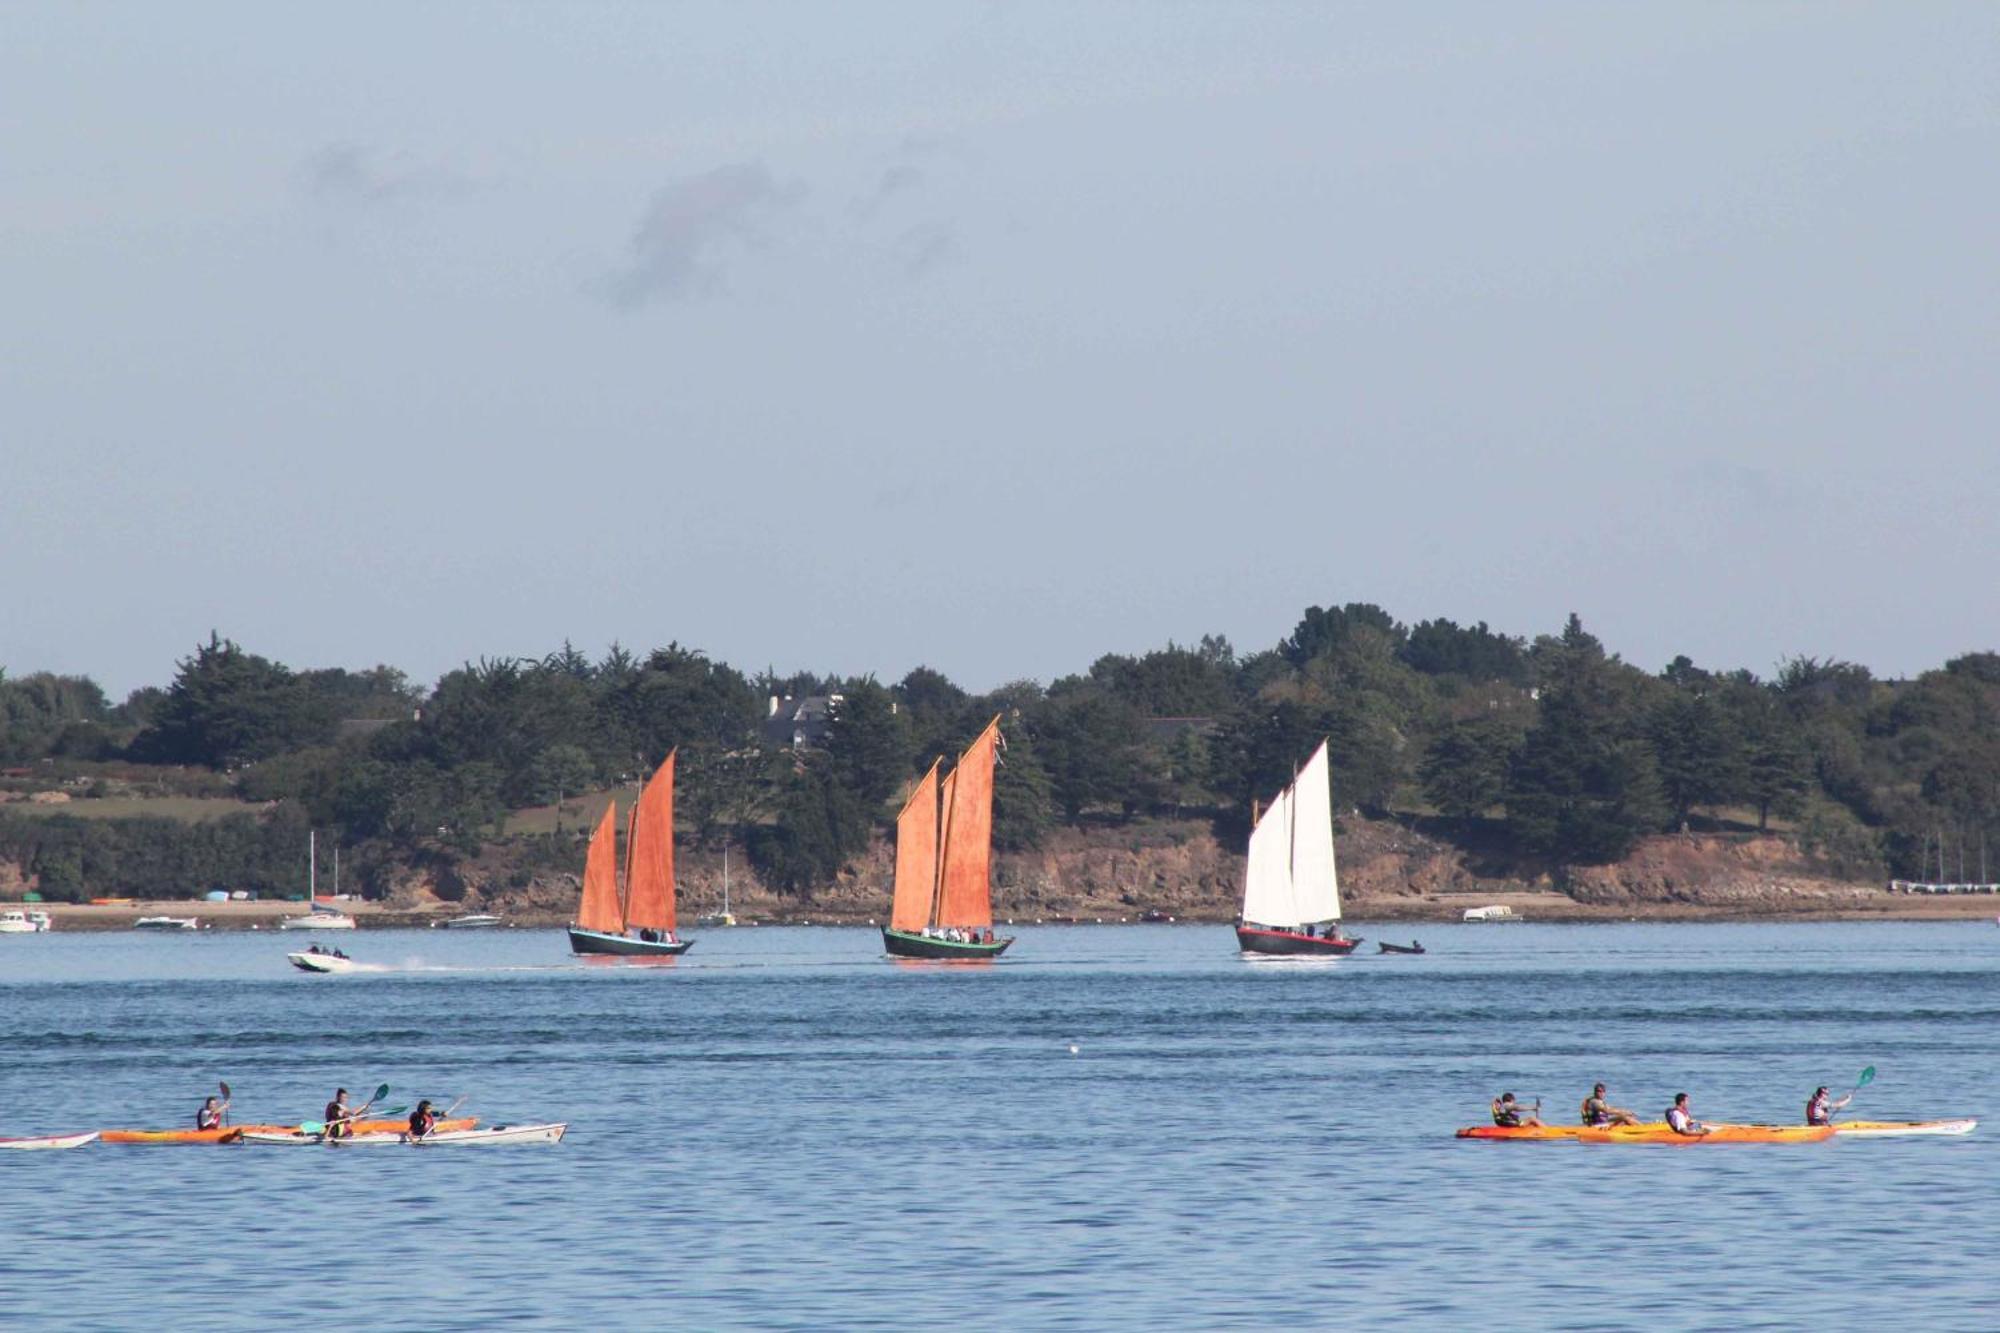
640	924
943	904
1291	890
319	916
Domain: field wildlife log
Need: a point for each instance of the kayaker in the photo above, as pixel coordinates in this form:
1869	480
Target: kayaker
1597	1111
1507	1114
1819	1107
422	1120
210	1115
339	1116
1680	1119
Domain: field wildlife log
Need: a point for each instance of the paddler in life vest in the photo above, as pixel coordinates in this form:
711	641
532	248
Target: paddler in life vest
210	1115
1598	1112
339	1116
1680	1119
1819	1107
1507	1114
422	1120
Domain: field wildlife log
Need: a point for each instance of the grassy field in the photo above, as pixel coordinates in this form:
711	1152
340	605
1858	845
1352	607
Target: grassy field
579	812
187	809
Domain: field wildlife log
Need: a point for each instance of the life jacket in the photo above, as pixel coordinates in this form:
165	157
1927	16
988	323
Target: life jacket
207	1119
422	1123
1818	1110
1594	1116
1507	1117
1678	1120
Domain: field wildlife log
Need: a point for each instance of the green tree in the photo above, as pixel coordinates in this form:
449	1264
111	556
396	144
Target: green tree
229	707
1023	801
1581	788
1695	752
867	744
1464	770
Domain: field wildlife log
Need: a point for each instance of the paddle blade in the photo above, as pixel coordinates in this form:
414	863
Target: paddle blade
225	1092
1867	1077
380	1093
313	1127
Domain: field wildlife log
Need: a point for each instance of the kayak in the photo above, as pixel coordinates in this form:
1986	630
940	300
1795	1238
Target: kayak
1651	1132
1901	1128
498	1134
236	1132
49	1141
1540	1132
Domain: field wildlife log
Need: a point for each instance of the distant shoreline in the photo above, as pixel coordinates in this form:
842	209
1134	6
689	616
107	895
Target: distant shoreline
1544	909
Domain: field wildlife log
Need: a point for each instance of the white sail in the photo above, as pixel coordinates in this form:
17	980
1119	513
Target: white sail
1267	877
1315	882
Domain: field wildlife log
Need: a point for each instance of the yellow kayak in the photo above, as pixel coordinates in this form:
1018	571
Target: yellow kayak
1651	1132
1899	1128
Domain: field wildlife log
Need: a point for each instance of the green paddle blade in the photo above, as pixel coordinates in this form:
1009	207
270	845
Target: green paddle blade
380	1093
1867	1077
313	1127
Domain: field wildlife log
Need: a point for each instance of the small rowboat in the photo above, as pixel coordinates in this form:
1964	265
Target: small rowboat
1904	1128
49	1141
234	1133
498	1134
1411	947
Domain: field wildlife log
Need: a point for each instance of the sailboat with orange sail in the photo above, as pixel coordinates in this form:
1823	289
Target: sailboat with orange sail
640	924
943	905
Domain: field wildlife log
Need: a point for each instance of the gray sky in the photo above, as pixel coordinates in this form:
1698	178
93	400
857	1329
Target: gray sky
993	337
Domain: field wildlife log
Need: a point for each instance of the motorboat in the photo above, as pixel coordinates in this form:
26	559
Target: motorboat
167	923
307	960
475	921
16	921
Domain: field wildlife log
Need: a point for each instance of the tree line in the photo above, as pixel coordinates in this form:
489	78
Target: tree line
1549	750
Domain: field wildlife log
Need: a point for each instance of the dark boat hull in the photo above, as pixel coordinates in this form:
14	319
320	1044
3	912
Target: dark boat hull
1399	948
905	945
624	946
1251	939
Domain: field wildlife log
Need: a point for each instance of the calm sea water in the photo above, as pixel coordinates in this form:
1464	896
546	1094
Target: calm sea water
784	1129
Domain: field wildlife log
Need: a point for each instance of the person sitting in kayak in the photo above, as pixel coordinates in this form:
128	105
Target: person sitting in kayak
1507	1114
339	1116
1680	1119
1819	1107
422	1120
210	1115
1597	1112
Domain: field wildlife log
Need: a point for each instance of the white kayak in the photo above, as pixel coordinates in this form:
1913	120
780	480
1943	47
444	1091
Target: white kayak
496	1134
51	1141
1903	1128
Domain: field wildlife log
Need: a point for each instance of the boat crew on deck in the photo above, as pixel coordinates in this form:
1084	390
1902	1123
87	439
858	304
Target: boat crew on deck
210	1115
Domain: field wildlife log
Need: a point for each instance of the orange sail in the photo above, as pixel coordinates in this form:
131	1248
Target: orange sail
964	897
649	874
600	878
916	856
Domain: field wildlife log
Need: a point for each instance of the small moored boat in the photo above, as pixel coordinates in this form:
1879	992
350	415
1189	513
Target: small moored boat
49	1141
476	921
15	921
1411	947
167	923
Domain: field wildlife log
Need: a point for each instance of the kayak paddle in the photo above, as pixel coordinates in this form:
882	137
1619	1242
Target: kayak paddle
225	1103
1867	1077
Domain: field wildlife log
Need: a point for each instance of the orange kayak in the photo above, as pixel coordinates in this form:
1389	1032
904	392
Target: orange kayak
234	1132
1652	1132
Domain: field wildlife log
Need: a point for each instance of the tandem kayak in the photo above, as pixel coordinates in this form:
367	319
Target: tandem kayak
1653	1132
498	1134
235	1132
49	1141
1900	1128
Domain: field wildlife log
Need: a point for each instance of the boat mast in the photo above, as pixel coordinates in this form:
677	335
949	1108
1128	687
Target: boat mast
312	866
725	877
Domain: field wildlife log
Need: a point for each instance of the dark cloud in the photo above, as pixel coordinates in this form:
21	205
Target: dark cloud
676	250
351	172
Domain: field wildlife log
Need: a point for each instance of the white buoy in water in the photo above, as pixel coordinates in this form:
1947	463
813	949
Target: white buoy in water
1073	1048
